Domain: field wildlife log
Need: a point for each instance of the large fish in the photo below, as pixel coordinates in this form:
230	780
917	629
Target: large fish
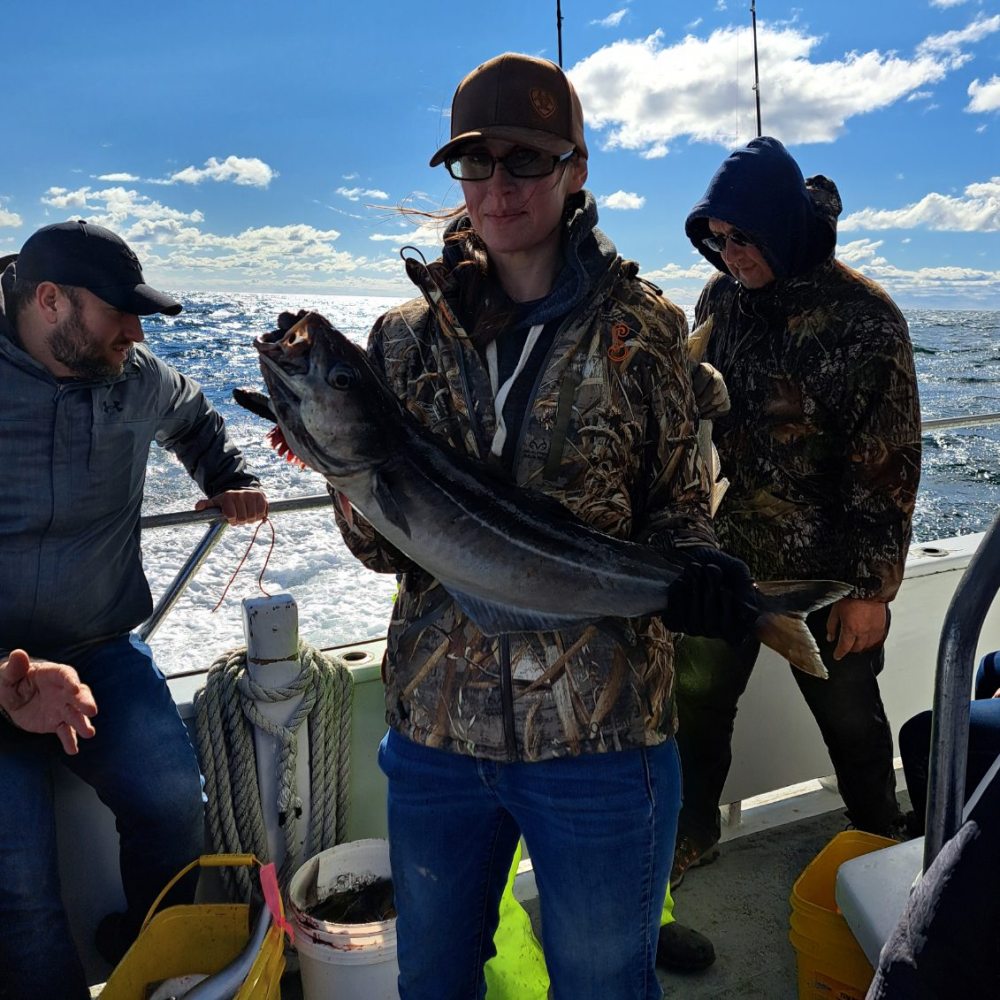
514	560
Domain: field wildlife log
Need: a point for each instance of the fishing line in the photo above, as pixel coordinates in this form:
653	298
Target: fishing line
267	559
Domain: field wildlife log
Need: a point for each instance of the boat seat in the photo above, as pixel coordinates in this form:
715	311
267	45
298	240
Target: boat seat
871	891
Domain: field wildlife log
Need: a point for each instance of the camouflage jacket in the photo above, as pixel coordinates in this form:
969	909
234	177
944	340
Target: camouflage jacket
822	445
610	433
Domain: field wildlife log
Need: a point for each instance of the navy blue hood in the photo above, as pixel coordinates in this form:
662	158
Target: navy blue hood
760	190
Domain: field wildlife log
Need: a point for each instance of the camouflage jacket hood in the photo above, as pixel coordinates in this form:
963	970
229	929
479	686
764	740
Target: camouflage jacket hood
610	433
822	445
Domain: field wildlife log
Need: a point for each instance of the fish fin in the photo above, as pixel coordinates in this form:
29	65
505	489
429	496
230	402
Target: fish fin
256	402
497	619
710	456
388	505
781	624
697	343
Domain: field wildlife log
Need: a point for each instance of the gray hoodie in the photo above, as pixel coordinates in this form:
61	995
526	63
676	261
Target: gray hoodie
73	454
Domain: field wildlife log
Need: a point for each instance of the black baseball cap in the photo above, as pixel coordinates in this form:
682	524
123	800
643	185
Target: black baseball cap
92	257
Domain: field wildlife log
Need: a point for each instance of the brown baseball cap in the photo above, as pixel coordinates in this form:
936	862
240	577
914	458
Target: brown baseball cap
520	99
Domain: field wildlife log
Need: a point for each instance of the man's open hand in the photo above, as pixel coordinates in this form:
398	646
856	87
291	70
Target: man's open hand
44	697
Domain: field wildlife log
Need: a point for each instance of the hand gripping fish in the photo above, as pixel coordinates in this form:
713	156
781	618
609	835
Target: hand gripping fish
513	560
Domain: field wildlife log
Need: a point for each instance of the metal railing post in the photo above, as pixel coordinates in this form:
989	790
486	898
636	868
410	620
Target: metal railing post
211	538
178	585
952	687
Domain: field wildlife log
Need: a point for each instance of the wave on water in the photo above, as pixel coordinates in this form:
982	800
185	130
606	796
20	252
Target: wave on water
339	601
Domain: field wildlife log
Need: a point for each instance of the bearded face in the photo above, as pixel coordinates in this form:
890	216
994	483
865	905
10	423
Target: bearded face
87	343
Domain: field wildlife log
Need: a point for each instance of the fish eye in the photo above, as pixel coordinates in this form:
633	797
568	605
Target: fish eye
343	376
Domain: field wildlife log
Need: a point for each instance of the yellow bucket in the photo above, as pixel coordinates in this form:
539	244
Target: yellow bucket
831	964
198	938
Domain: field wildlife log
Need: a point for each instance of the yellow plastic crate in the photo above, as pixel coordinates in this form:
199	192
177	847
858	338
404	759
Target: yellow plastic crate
198	938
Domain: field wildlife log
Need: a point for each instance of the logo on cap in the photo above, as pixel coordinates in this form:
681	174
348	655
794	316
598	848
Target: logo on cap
543	102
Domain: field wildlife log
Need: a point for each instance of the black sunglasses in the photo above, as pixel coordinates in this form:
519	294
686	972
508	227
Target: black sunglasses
717	241
478	164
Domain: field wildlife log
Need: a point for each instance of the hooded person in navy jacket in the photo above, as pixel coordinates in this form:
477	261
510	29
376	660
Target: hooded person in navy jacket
822	450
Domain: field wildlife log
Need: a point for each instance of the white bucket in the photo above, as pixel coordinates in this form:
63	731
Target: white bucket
343	961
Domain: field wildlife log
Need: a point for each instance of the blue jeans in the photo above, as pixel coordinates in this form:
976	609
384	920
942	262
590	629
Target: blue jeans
600	829
142	765
984	738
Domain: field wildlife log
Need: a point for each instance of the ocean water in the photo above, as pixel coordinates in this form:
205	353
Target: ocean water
958	366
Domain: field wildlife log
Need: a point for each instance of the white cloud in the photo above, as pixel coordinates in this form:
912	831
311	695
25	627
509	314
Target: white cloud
985	96
643	95
59	197
625	200
920	95
969	283
117	205
10	219
176	245
120	178
700	271
952	41
977	210
238	169
612	20
426	233
944	4
356	194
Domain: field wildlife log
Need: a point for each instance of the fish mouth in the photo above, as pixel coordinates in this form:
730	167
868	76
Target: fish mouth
287	352
277	367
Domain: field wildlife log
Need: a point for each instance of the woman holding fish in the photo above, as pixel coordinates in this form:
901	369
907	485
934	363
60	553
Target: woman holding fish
535	350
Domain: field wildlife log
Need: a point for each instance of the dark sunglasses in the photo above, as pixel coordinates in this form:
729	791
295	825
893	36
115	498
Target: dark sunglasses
478	164
717	241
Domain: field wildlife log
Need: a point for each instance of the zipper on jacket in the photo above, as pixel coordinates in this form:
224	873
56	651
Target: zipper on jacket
592	302
507	698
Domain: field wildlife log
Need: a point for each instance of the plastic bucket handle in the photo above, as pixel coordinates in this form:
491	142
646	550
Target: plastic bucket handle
205	861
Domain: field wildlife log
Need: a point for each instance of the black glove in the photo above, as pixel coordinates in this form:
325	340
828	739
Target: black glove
713	597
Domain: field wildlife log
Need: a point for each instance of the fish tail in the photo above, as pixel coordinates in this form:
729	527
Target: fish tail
781	623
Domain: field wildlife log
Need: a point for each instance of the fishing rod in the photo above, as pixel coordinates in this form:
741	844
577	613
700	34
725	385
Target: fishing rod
756	74
559	21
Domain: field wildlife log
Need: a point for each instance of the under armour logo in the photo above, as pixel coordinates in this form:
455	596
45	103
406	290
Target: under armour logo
111	405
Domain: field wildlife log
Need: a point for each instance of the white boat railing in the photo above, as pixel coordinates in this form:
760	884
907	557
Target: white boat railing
942	423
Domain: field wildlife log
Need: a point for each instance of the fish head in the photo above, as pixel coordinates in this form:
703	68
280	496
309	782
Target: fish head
329	403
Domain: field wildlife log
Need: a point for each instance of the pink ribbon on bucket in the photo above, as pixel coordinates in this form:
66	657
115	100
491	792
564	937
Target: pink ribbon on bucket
272	897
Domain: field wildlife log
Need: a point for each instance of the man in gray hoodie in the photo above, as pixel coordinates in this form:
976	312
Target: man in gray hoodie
83	401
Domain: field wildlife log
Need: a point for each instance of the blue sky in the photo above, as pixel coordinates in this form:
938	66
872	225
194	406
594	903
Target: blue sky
262	146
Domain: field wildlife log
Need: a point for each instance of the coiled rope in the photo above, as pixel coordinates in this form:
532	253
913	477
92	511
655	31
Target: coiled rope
226	713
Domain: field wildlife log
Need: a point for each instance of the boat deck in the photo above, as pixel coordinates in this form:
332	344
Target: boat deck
741	901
